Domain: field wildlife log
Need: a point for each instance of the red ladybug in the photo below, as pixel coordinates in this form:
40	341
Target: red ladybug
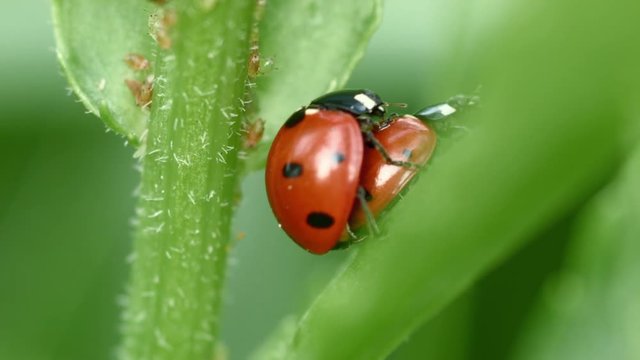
405	138
313	167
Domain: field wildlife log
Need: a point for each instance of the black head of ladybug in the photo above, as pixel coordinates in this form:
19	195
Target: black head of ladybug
357	102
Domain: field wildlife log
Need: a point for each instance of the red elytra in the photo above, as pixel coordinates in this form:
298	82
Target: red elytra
312	176
406	138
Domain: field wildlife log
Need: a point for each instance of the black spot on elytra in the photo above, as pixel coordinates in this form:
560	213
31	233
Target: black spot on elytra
320	220
291	170
407	153
339	157
295	118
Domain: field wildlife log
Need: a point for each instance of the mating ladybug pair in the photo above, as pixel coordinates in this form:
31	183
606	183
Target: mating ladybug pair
337	163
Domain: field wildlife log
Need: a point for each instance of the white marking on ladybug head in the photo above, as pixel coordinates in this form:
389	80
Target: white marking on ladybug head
446	109
311	111
365	100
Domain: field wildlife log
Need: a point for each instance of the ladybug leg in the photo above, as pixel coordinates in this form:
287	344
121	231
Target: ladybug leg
383	152
352	236
443	110
353	239
372	226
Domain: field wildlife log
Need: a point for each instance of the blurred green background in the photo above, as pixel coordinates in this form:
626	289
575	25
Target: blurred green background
67	197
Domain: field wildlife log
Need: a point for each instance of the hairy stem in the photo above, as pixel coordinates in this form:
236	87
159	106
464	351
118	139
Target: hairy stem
189	179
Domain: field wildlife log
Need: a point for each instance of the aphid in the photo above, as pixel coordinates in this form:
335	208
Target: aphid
142	91
254	132
136	61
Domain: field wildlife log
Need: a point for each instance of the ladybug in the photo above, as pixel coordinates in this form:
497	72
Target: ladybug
313	166
404	138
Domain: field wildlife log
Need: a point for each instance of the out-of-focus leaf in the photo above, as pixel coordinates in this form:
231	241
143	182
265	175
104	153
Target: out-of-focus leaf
63	239
444	337
591	309
93	38
503	299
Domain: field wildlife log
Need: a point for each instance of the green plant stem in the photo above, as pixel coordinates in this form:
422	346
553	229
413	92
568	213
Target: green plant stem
189	179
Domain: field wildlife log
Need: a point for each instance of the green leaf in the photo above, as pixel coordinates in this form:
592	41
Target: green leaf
92	54
444	337
552	128
93	38
590	309
314	45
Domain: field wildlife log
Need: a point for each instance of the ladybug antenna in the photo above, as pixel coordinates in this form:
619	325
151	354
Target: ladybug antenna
396	104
